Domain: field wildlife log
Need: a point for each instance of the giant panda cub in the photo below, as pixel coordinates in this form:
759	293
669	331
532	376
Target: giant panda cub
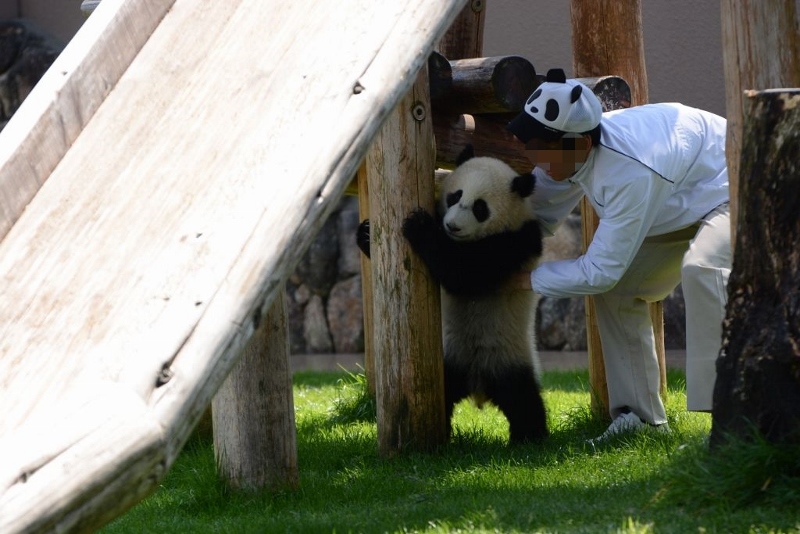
485	231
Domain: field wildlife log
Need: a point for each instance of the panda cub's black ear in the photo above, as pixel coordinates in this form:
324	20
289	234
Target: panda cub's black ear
523	184
466	154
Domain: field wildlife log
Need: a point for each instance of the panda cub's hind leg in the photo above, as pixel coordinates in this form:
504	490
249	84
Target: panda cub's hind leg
516	393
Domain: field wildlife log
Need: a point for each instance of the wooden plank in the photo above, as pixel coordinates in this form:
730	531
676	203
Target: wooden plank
172	222
67	96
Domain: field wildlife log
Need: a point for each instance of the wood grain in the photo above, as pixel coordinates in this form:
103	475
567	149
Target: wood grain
130	283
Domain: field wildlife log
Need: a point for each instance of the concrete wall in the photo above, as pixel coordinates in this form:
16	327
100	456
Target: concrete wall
683	44
683	49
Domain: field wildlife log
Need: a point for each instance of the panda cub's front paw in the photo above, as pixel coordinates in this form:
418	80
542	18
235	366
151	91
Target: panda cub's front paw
362	237
418	223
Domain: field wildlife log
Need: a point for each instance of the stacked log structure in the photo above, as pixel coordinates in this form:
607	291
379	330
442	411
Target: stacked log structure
474	99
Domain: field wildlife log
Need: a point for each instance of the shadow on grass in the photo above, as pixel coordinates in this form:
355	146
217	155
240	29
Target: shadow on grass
474	483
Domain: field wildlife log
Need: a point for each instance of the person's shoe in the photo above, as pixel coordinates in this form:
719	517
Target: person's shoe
627	422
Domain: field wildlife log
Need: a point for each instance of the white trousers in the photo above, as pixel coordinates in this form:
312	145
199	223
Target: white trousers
699	257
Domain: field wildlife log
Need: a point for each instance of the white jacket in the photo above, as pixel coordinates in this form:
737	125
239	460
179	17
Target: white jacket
658	168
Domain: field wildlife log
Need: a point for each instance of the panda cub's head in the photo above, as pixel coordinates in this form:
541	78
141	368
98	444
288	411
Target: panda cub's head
483	197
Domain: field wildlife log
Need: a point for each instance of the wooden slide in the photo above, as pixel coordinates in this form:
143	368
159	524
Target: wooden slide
156	189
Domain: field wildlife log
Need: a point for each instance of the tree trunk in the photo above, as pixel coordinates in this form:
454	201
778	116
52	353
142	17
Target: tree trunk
758	373
253	411
760	50
607	39
407	319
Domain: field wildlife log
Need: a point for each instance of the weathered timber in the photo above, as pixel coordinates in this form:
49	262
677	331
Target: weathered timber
66	97
440	75
255	441
614	92
362	190
487	85
464	38
758	381
459	40
607	38
760	50
406	310
133	279
488	134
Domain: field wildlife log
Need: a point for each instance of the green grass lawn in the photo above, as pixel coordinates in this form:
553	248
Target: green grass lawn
640	483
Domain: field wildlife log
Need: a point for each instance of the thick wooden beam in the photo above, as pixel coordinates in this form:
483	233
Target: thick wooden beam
255	441
760	50
132	281
485	85
407	325
464	38
67	96
607	38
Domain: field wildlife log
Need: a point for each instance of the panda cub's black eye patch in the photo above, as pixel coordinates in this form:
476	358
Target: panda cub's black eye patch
480	209
453	198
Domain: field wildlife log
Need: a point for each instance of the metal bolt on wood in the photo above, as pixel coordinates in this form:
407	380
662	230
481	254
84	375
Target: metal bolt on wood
418	112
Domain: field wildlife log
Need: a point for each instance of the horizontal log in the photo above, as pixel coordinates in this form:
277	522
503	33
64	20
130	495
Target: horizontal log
440	75
484	85
488	134
613	91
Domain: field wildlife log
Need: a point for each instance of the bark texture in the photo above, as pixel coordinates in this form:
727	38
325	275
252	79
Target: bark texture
760	49
758	372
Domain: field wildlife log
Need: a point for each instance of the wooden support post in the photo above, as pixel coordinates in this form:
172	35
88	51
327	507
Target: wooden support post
464	38
407	318
362	179
253	412
610	44
760	50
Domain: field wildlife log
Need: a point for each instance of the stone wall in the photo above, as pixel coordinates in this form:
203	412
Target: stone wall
324	294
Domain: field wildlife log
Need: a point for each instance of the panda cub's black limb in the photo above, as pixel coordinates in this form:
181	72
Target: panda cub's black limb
467	267
484	231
